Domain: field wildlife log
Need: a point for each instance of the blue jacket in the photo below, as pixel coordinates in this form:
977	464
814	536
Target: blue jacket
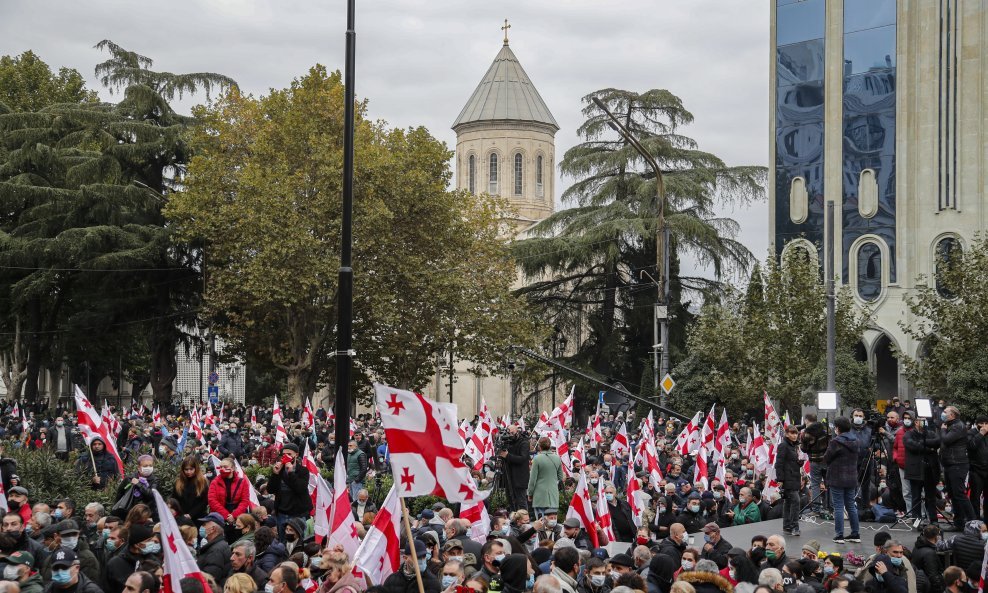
842	461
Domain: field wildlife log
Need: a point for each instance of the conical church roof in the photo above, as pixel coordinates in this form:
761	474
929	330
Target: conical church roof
506	93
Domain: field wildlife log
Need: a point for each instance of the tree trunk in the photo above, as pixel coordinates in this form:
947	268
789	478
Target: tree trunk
13	365
298	379
33	351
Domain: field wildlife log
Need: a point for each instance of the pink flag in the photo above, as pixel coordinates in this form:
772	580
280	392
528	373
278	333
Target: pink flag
425	447
379	554
343	529
582	508
178	560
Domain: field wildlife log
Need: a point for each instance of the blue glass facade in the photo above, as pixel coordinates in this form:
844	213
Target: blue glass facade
799	114
869	132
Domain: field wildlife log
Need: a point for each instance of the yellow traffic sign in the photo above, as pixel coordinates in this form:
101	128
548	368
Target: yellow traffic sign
667	384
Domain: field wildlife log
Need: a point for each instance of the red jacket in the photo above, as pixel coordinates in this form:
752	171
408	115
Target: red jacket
237	493
899	448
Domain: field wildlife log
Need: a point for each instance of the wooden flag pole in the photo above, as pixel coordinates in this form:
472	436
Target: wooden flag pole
93	459
411	544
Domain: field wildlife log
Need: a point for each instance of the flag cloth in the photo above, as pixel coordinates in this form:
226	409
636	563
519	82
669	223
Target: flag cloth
3	495
700	470
759	450
425	446
637	500
603	513
343	527
771	420
581	508
178	560
688	440
480	522
90	426
308	417
379	554
722	442
619	446
322	508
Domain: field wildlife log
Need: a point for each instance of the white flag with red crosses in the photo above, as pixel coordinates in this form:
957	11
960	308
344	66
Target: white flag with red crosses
425	446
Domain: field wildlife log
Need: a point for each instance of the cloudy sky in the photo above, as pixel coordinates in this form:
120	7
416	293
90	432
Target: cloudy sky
419	60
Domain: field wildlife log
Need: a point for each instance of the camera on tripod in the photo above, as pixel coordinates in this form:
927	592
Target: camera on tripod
874	419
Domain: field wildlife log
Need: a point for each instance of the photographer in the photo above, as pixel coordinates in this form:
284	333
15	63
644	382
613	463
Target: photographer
515	454
953	455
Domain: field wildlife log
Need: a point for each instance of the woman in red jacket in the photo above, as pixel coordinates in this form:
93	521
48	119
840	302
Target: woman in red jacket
229	494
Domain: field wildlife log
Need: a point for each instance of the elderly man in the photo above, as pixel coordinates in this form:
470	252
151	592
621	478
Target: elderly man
775	552
715	547
242	561
621	520
746	511
362	504
93	512
214	555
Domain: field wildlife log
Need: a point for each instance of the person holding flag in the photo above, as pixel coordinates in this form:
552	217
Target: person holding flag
99	462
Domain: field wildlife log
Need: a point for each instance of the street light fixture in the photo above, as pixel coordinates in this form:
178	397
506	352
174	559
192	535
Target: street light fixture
662	242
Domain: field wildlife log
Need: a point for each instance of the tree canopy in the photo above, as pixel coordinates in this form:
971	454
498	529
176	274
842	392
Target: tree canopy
27	83
263	197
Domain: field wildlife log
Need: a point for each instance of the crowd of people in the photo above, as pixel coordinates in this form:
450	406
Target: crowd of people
928	472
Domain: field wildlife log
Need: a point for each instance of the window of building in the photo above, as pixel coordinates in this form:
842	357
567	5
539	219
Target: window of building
518	174
472	174
800	21
869	272
538	176
492	177
948	251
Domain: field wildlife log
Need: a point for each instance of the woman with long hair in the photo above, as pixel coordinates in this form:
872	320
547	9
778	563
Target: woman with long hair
190	489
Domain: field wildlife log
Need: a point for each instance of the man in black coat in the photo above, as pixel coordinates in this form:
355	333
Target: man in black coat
715	547
106	465
516	456
214	555
953	456
404	581
674	545
290	485
230	444
977	454
122	565
621	520
925	557
814	441
787	466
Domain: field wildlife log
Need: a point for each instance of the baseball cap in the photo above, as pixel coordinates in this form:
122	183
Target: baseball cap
67	526
711	528
420	549
63	558
452	544
214	518
21	558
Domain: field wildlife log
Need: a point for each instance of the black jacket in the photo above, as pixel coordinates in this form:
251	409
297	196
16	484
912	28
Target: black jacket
118	569
693	522
814	440
516	463
718	553
231	444
787	465
953	443
977	451
922	462
291	491
83	586
194	505
669	548
622	521
214	558
399	582
106	468
968	547
926	559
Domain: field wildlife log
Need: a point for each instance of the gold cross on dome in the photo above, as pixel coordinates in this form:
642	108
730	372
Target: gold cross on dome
505	29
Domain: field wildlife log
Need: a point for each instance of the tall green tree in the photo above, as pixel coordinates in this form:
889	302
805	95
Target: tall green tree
262	195
772	338
949	317
591	266
27	83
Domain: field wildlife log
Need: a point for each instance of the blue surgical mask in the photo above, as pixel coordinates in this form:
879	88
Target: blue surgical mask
828	570
61	577
943	416
448	581
315	562
499	558
895	561
106	533
879	578
202	532
151	548
110	545
428	555
423	564
58	514
694	508
706	539
530	583
70	542
457	558
609	496
597	580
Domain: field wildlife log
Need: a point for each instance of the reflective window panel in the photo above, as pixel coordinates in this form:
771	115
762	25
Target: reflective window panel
800	21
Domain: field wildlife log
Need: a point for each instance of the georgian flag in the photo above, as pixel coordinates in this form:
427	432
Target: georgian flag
194	424
771	419
466	432
322	508
582	508
379	554
561	443
425	447
700	470
308	417
619	446
3	495
477	445
156	416
280	434
638	500
688	440
722	442
251	492
564	411
90	426
759	450
480	521
578	454
178	561
343	527
603	513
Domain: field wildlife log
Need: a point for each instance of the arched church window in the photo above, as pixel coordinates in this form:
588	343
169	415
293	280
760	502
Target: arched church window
869	272
518	174
472	174
948	252
492	177
538	176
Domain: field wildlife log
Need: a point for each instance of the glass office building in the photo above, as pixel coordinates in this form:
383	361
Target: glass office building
879	106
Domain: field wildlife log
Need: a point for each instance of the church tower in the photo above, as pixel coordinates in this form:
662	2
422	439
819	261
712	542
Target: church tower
505	141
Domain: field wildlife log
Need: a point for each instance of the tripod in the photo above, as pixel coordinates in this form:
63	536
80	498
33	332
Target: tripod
877	445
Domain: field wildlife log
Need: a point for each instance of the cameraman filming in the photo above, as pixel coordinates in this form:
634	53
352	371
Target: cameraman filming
515	454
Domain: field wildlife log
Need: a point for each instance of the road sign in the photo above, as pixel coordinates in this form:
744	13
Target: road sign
214	377
667	383
214	394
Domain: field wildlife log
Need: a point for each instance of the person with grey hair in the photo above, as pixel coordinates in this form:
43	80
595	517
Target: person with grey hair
642	556
547	584
242	557
706	566
771	578
39	521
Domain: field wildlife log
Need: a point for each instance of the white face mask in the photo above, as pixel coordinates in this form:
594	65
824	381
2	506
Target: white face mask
11	573
147	470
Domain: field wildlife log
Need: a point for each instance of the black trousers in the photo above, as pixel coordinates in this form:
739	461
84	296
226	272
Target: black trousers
977	481
954	477
790	509
924	491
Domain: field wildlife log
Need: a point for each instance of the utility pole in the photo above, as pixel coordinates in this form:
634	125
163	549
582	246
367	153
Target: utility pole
828	243
344	325
661	243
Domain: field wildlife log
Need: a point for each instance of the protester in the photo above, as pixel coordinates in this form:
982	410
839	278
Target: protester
842	459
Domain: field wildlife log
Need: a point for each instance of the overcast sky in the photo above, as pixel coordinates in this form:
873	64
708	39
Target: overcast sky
418	61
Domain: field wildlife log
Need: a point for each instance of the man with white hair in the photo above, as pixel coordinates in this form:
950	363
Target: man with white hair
775	552
547	584
771	578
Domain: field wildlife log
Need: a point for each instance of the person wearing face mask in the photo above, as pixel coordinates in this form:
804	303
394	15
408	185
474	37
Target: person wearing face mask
60	438
338	573
67	536
890	574
953	456
229	495
861	432
787	471
284	579
231	445
925	557
66	576
452	574
404	581
813	442
548	527
715	547
977	454
140	543
842	478
692	515
594	579
105	463
137	488
899	457
242	559
969	546
13	525
746	511
544	479
214	552
621	520
517	574
566	568
955	580
19	568
290	485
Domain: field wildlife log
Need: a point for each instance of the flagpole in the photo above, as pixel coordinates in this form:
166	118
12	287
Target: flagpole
411	544
93	459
